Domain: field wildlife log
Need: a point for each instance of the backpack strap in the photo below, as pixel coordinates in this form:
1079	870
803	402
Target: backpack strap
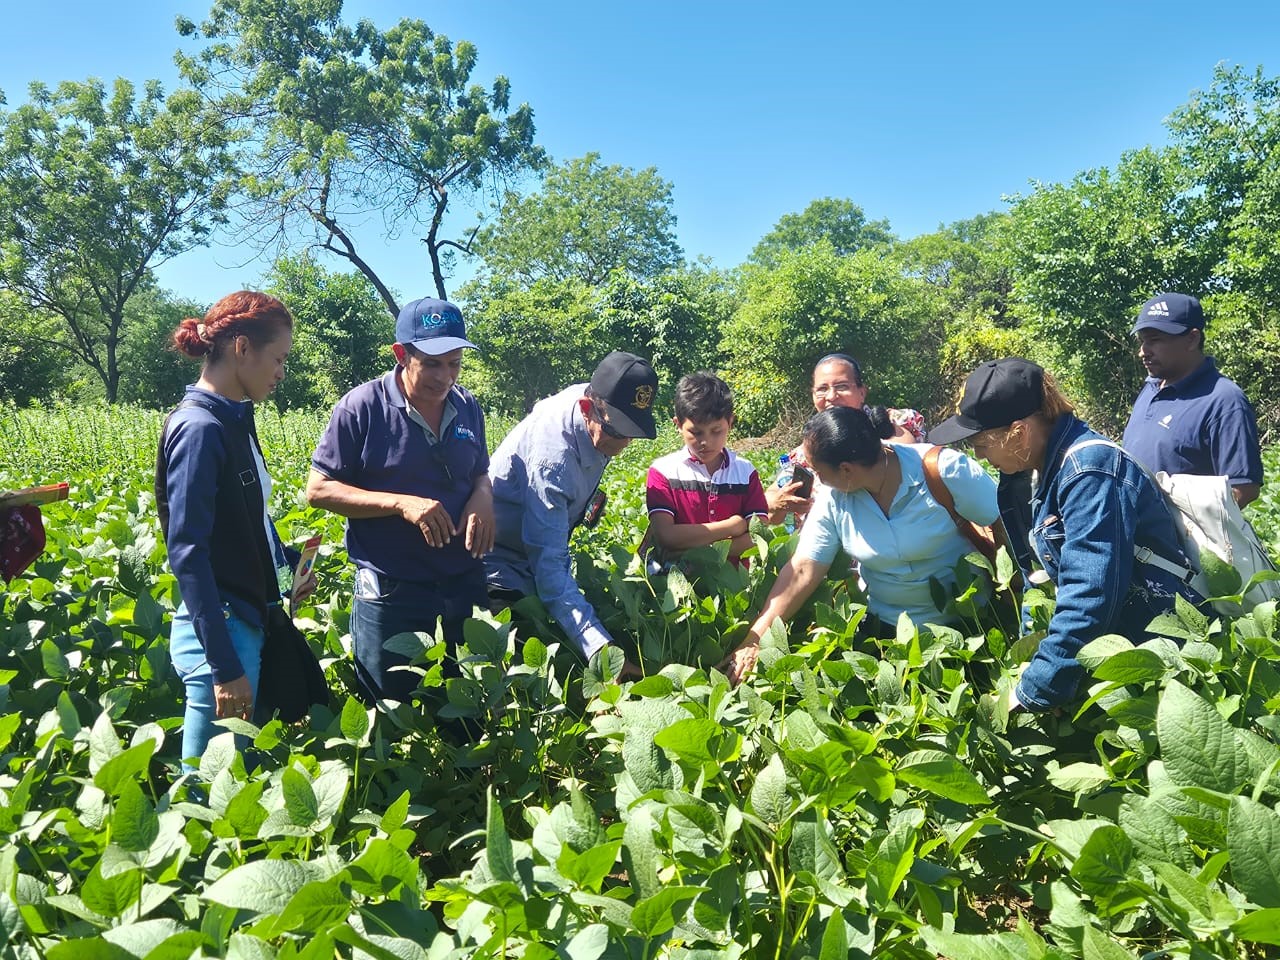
1143	554
938	488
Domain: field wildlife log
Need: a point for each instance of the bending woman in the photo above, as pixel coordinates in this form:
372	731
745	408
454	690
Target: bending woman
212	489
875	503
1093	504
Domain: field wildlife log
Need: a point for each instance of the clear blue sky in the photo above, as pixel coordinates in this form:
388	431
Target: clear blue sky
922	113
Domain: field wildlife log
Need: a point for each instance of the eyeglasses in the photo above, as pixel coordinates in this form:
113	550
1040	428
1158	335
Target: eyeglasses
833	389
609	429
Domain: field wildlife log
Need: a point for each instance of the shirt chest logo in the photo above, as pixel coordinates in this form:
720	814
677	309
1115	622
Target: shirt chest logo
1166	420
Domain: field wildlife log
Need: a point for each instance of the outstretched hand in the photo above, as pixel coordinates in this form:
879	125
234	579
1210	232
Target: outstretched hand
741	661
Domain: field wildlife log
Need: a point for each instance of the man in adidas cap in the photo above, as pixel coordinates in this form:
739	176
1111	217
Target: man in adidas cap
1188	417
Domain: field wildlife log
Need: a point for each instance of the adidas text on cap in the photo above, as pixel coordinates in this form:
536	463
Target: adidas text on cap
1170	313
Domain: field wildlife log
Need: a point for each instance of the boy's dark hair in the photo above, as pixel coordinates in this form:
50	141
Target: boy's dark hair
702	397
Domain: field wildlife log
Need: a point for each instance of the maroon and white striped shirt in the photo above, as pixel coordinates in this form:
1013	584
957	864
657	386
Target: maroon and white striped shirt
681	485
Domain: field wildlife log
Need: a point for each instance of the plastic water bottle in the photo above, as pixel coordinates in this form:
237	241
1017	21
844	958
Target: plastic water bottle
785	474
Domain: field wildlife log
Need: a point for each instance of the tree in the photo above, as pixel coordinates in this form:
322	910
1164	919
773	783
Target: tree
31	369
350	123
842	223
341	335
98	188
152	373
817	302
1088	253
587	222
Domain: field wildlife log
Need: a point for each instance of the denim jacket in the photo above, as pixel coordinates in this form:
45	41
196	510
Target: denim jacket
1088	512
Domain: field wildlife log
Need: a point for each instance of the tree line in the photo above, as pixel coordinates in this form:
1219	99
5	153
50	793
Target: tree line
290	125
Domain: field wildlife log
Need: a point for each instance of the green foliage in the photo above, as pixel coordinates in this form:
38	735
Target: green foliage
98	187
852	798
587	222
32	366
841	223
816	302
347	121
341	332
1088	253
152	374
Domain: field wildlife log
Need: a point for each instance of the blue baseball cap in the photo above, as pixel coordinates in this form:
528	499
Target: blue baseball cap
432	326
1170	313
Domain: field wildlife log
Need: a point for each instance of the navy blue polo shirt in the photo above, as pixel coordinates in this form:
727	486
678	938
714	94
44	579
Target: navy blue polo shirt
1202	424
372	443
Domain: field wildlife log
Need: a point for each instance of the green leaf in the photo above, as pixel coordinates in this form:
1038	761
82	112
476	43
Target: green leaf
1154	832
498	853
1079	777
299	797
1253	842
1132	666
111	896
589	943
768	798
95	948
316	906
1102	868
589	868
812	849
124	767
354	721
690	739
892	861
1260	926
942	774
381	868
982	946
396	814
835	939
103	743
640	853
654	686
134	824
1097	652
146	935
54	661
576	823
655	915
263	886
1198	746
644	760
1098	946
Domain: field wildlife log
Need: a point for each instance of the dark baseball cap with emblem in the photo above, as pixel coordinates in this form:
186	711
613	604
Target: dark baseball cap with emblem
432	326
996	394
628	386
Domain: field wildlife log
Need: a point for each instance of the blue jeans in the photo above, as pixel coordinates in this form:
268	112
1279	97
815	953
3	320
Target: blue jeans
187	654
384	606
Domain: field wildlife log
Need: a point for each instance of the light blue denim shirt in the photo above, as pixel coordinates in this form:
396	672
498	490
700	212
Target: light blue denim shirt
544	474
899	553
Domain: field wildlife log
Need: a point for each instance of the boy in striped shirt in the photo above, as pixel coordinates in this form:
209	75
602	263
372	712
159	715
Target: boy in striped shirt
703	492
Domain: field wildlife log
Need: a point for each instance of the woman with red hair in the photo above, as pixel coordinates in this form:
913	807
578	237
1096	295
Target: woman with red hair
212	490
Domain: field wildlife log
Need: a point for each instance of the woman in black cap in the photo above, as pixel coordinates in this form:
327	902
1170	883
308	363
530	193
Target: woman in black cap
1094	512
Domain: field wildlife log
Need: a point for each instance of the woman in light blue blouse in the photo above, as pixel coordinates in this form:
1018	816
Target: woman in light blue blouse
875	504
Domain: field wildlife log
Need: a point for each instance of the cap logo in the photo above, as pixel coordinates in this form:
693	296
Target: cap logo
644	397
1159	309
438	325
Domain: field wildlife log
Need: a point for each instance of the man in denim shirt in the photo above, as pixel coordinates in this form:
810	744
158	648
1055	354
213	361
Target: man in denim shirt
1094	511
545	476
1188	417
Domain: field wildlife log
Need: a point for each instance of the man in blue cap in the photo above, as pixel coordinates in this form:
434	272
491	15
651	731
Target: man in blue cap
1188	417
404	458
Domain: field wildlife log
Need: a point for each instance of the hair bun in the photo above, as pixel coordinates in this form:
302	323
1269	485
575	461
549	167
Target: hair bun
187	338
880	421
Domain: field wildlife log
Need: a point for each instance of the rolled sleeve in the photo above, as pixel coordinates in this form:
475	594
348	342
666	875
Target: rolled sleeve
1094	573
545	527
194	453
337	455
820	535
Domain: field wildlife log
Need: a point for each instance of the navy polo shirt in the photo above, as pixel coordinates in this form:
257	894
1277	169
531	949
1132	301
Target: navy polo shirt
1202	424
372	443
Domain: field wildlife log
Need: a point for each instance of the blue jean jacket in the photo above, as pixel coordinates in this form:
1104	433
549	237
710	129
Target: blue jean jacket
1088	512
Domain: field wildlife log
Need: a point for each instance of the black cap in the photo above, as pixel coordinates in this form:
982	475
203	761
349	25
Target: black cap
628	386
996	394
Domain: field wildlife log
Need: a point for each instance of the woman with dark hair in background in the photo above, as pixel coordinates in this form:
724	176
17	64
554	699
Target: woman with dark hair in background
212	490
1092	505
874	503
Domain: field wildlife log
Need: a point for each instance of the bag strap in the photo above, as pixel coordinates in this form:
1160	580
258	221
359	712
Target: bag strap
1143	554
941	493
